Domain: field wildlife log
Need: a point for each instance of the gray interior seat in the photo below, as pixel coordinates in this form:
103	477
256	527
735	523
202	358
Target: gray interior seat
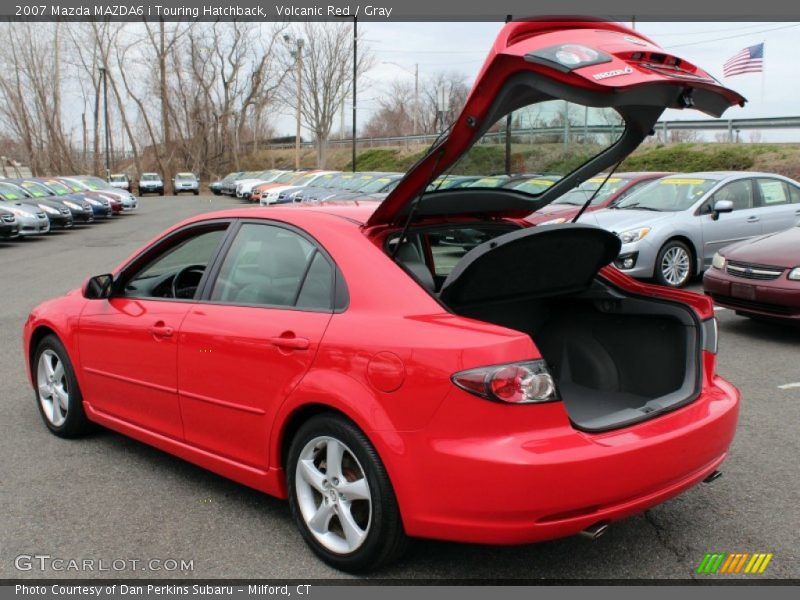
408	255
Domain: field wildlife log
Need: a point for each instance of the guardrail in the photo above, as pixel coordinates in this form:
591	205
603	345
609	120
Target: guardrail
575	129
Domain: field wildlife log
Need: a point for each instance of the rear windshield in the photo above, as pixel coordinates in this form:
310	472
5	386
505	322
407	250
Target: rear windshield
670	194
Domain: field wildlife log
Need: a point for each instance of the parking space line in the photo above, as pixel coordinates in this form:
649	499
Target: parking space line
789	386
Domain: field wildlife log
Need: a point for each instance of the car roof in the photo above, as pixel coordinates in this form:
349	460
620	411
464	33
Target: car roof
355	214
725	174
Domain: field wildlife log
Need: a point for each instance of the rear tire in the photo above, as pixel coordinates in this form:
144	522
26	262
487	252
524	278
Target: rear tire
341	498
57	393
674	264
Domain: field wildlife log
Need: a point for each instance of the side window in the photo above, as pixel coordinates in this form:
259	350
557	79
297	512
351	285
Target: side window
177	270
273	266
794	194
773	191
739	192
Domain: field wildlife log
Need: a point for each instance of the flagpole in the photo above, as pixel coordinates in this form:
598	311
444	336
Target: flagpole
763	68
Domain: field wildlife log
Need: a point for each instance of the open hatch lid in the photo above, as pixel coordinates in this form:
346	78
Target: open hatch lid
502	268
589	62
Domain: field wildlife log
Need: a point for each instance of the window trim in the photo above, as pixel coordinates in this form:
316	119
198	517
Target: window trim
340	297
145	256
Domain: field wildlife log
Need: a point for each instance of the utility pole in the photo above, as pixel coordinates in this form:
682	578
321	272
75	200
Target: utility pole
105	119
355	78
416	98
299	67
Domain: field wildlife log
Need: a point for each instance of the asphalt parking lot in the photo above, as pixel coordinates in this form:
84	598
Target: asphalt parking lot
107	497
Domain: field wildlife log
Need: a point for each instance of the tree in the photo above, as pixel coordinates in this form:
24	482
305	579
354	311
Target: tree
327	77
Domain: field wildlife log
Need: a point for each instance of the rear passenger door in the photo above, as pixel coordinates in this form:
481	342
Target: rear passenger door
776	209
252	337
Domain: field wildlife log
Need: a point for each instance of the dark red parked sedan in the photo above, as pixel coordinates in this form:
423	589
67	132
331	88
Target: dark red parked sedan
391	386
759	277
615	188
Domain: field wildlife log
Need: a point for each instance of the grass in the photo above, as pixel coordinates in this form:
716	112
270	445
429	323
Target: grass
553	157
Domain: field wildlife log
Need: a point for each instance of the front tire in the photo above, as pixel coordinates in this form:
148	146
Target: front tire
674	264
57	393
341	498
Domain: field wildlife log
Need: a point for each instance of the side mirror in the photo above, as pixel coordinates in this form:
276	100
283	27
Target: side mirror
98	287
721	206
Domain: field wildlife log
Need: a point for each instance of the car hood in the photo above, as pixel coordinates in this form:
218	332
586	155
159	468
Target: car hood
515	74
617	220
780	249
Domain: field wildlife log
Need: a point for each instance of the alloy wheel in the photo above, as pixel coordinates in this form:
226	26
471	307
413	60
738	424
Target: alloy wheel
675	266
333	494
51	382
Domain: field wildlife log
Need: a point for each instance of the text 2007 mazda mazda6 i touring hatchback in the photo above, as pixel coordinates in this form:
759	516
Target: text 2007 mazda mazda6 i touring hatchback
393	386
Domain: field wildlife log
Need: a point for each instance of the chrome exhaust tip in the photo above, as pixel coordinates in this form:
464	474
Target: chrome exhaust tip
713	477
595	531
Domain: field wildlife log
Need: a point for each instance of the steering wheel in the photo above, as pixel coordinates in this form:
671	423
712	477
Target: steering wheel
186	290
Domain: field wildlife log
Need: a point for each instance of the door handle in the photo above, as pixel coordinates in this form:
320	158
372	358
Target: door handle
160	330
288	341
753	219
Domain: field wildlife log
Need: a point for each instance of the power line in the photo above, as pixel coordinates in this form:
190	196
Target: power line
730	37
707	32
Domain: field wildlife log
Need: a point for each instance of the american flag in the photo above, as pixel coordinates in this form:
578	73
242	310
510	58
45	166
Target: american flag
747	60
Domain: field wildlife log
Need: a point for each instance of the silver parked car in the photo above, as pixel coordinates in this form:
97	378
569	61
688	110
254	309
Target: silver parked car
185	182
671	228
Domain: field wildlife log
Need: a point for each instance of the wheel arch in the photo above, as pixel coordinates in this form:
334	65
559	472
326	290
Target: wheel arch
37	335
331	391
696	258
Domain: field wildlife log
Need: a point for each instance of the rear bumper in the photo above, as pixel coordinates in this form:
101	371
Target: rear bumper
497	478
778	298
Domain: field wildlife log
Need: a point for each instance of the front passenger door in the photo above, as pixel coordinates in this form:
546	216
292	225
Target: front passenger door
244	349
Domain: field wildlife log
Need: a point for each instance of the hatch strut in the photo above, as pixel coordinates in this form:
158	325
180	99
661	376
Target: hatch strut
597	191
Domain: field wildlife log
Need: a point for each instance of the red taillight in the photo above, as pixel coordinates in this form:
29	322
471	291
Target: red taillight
517	383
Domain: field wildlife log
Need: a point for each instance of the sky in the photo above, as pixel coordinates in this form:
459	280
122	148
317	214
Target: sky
463	46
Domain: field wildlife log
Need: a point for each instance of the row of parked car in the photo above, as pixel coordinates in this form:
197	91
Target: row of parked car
673	226
153	183
36	205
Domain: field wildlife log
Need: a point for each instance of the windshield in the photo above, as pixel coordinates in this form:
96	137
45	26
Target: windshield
11	192
553	136
118	178
58	188
189	176
94	183
378	185
534	185
150	177
37	190
287	177
582	193
670	194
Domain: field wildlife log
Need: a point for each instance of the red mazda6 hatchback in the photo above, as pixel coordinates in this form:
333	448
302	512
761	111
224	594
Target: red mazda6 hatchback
391	385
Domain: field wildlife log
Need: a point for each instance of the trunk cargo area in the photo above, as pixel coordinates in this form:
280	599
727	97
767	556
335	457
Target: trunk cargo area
617	359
